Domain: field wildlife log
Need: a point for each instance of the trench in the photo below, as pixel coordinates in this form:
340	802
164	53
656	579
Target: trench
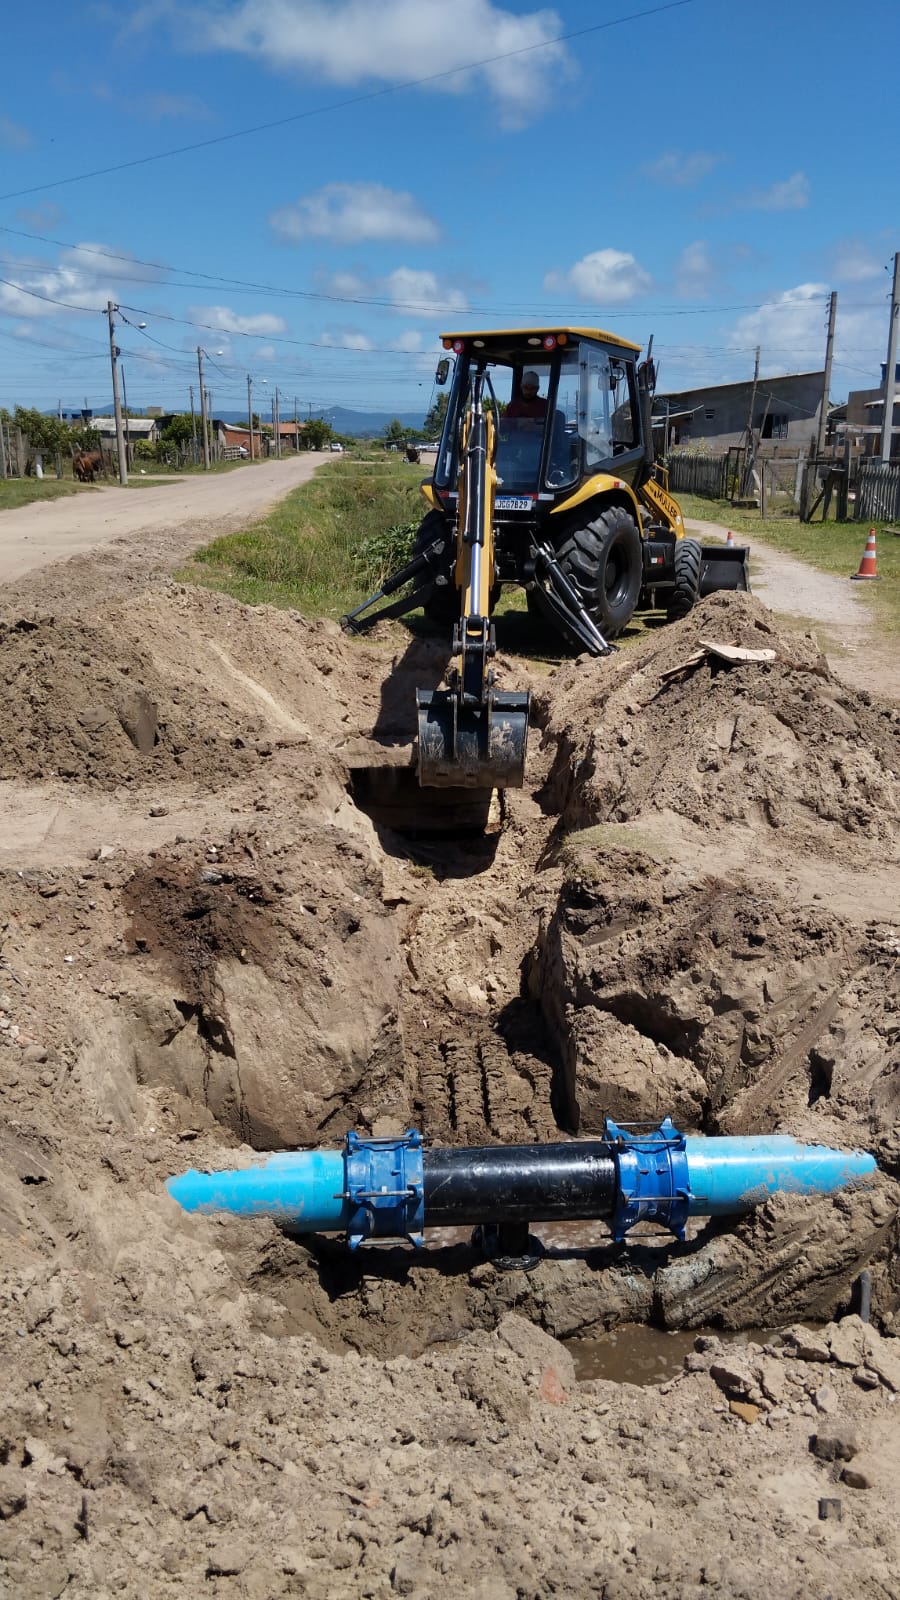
498	1073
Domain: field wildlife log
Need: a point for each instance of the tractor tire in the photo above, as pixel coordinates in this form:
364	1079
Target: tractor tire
443	607
603	559
685	593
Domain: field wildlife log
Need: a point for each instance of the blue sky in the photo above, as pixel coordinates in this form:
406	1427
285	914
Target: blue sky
707	174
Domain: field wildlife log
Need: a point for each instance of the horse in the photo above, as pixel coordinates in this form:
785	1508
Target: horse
86	464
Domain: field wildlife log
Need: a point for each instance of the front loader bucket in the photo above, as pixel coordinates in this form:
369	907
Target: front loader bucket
472	747
724	566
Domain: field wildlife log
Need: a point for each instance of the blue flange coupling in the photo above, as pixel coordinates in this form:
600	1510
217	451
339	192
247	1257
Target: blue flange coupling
385	1187
654	1180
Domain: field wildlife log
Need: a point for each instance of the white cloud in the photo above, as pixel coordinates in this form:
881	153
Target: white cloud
853	262
410	342
13	136
348	213
349	41
611	276
83	279
223	320
695	272
423	292
404	289
791	331
348	339
680	169
265	352
790	195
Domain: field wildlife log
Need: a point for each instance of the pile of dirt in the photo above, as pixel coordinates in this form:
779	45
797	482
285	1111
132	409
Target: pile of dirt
774	743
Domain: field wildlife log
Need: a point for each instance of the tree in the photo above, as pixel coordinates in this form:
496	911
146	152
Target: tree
317	433
434	422
42	433
394	432
180	430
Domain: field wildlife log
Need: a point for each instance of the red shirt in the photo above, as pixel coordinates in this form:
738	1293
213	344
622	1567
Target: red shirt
523	407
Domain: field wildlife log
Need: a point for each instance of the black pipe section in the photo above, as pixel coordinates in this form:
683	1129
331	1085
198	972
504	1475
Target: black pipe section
520	1183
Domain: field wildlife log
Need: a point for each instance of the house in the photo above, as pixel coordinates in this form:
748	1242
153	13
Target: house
785	414
136	427
233	438
865	417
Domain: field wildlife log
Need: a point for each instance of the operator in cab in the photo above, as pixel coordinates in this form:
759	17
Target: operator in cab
528	403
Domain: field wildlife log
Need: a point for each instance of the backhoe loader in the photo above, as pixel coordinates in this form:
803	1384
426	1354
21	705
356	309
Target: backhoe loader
545	477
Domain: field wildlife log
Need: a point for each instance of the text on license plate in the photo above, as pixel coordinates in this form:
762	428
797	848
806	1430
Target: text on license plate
509	502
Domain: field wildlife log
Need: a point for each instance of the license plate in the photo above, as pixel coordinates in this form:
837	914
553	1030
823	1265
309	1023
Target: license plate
509	502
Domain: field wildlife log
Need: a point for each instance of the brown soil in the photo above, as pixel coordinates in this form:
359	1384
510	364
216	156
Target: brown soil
207	948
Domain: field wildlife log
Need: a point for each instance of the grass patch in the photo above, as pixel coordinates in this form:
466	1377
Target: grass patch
832	547
15	492
318	549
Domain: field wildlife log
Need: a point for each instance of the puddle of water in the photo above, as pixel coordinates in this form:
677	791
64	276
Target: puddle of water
635	1353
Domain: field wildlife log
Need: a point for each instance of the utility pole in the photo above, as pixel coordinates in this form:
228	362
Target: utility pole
193	426
127	429
296	428
826	382
274	434
277	423
113	357
748	456
887	426
203	413
250	412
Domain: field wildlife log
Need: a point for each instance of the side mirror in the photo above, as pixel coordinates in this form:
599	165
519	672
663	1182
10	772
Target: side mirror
443	372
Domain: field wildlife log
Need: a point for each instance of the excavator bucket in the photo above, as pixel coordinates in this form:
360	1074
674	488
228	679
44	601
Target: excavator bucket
724	566
472	747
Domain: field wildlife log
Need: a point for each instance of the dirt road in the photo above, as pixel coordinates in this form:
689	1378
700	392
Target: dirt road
52	530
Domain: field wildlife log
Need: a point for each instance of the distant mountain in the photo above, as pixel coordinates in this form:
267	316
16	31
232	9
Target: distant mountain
358	424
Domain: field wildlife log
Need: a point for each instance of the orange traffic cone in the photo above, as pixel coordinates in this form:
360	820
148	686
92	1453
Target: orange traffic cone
867	566
730	539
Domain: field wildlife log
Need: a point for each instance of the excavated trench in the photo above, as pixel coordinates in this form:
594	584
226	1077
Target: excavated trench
515	1003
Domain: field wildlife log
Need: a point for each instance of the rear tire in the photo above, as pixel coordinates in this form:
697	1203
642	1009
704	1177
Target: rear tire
603	559
443	606
687	557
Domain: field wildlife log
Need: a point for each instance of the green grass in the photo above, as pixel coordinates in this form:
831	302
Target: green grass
15	492
306	553
833	547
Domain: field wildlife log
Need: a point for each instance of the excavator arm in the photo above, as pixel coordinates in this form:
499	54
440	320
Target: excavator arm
472	735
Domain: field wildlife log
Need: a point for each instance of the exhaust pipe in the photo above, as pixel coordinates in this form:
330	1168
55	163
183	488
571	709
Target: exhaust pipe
394	1188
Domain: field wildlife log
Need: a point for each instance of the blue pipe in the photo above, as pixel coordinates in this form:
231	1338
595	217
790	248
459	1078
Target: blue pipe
389	1188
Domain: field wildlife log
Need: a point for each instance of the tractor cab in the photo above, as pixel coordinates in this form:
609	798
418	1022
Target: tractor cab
566	406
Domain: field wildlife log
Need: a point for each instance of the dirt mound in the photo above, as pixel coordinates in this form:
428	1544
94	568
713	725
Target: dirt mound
83	703
777	745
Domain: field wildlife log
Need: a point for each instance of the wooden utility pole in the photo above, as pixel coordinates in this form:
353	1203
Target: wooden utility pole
749	453
117	409
250	412
826	381
890	375
193	426
203	414
296	428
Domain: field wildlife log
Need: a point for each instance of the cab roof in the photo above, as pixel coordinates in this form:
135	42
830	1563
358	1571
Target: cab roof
539	333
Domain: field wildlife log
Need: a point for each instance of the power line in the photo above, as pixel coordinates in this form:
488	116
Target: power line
352	100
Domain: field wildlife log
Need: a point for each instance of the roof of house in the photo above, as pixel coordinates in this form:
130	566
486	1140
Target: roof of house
136	426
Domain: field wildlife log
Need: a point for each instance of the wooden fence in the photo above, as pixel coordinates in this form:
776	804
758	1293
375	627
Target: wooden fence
706	476
878	493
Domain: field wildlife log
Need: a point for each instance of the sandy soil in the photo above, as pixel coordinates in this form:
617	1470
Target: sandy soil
836	607
210	947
